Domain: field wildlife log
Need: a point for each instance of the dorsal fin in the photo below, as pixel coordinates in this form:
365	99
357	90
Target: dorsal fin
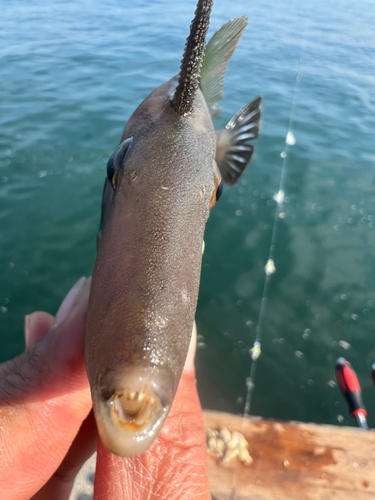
188	80
218	52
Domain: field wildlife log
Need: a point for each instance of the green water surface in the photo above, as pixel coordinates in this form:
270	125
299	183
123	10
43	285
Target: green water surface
71	73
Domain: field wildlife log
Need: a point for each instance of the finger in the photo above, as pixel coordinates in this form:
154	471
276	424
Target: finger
44	398
189	363
60	485
175	465
69	301
37	324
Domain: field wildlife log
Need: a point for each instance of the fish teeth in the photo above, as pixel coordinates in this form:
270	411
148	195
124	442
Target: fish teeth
136	408
141	396
133	396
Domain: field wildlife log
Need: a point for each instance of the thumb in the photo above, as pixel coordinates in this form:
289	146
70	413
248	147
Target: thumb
44	397
175	465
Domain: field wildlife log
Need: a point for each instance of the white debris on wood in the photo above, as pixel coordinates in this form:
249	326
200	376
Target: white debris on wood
227	445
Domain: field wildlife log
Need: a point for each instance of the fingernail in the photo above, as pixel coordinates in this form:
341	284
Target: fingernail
84	293
69	302
189	363
37	324
27	329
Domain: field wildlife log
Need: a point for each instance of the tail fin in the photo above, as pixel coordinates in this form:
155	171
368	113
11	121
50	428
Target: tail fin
243	127
188	81
218	52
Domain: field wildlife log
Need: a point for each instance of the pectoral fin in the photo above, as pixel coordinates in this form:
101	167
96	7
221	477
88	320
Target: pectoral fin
233	153
217	54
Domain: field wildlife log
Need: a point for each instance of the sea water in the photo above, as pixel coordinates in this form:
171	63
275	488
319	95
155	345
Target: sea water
71	73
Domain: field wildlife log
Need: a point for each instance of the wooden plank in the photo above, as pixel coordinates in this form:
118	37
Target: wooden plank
294	461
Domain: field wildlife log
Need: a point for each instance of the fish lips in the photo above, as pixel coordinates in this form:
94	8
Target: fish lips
130	405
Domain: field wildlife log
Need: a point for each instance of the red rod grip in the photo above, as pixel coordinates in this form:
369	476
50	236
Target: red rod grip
349	385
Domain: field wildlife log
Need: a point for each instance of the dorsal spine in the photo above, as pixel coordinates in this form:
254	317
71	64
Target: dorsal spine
188	80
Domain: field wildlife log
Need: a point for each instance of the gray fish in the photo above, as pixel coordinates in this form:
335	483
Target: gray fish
161	182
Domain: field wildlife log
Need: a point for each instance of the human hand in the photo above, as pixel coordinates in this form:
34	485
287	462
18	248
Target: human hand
47	430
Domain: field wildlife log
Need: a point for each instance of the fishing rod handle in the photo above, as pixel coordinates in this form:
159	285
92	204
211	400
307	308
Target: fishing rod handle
349	385
373	374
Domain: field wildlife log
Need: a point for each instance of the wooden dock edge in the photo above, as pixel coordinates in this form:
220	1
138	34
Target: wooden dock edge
294	461
291	461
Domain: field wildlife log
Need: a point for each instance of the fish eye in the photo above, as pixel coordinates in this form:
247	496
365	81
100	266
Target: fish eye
110	170
219	191
116	161
119	155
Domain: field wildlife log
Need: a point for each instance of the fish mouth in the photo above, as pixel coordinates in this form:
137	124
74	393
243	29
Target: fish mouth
131	406
134	410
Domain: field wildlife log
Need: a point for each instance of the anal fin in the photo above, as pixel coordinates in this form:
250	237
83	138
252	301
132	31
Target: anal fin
233	151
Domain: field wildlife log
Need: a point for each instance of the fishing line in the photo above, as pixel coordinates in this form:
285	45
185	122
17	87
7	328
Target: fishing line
270	267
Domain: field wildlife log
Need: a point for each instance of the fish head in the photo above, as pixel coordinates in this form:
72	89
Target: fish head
146	276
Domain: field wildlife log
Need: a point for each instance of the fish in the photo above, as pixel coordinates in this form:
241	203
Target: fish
162	181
